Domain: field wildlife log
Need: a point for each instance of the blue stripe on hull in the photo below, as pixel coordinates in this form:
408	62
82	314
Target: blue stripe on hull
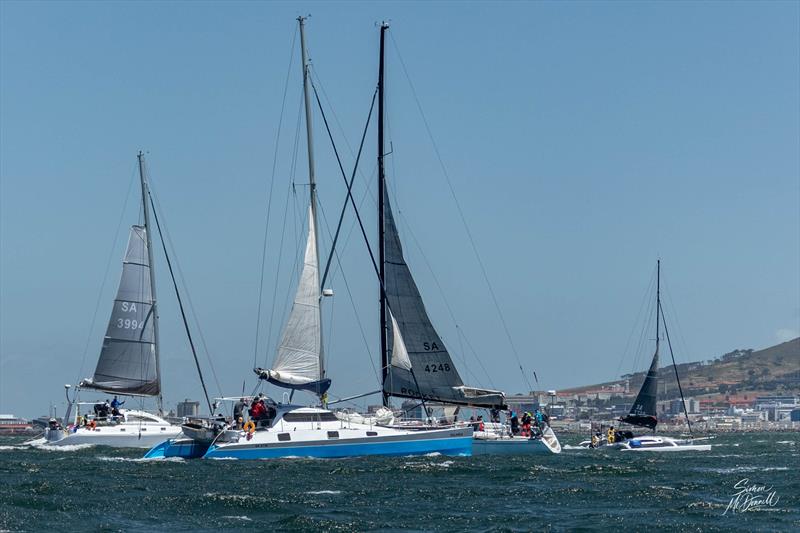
452	446
171	448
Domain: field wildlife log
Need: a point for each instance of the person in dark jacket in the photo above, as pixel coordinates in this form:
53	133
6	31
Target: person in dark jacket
514	423
238	412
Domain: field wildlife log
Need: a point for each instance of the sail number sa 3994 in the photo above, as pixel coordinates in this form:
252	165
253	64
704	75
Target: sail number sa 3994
129	323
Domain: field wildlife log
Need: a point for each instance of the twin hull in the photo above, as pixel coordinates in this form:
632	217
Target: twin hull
324	443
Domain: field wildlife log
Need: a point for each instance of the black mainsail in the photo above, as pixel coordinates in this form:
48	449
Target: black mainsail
430	373
643	412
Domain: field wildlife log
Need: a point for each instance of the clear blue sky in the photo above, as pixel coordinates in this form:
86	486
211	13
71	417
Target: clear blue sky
583	140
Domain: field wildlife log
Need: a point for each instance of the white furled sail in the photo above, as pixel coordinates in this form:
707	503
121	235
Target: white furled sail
298	364
436	376
127	363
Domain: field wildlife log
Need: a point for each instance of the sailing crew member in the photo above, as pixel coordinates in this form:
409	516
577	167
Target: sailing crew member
238	412
116	404
595	440
611	436
526	424
257	410
514	423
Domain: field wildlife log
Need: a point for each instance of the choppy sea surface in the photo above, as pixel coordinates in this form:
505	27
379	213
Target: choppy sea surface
105	489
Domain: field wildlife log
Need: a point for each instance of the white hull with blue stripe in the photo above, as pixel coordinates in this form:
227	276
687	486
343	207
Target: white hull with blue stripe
317	433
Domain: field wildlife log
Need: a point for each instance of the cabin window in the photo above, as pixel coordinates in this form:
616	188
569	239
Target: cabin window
122	430
310	417
162	429
144	429
372	433
333	434
283	437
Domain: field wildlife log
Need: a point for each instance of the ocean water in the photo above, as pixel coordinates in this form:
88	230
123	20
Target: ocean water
104	489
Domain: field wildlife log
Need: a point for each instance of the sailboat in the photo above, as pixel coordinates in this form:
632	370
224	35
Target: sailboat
415	361
643	412
129	359
295	431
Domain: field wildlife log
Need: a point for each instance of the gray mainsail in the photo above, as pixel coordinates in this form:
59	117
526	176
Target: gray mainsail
127	363
298	364
436	375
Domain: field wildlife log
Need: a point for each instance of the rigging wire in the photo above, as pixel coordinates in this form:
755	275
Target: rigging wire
335	253
290	190
269	200
462	217
182	279
349	184
180	305
105	275
459	331
634	327
677	378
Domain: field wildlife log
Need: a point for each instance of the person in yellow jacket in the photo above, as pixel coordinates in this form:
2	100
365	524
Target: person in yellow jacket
611	435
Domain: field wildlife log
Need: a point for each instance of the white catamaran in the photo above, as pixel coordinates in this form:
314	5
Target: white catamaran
293	430
643	413
129	359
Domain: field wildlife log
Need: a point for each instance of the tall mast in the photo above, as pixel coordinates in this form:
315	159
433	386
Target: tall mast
312	182
381	186
658	300
145	205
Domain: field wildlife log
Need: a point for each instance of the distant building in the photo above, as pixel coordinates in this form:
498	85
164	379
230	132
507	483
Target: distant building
188	408
777	408
10	424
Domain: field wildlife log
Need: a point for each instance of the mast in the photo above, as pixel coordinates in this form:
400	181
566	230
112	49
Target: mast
658	299
312	182
145	194
381	186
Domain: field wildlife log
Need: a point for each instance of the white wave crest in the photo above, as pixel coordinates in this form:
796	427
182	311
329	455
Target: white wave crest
62	448
142	459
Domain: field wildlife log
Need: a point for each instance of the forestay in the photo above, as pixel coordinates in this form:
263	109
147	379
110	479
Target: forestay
298	364
127	363
643	412
436	375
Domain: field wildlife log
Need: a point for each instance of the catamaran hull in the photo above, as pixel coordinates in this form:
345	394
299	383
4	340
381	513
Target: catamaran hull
678	448
106	437
652	443
460	444
509	447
